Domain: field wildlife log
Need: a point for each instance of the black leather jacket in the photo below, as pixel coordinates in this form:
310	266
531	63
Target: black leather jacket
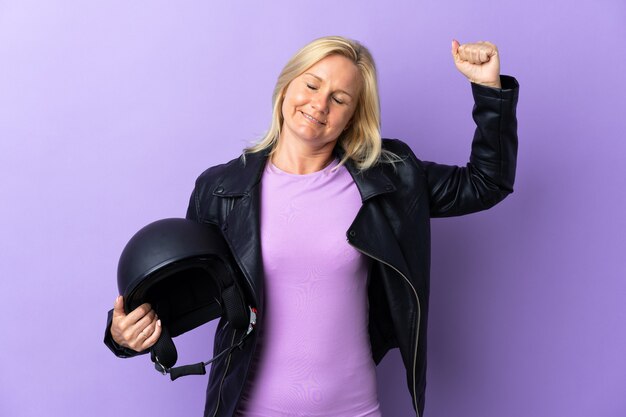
392	228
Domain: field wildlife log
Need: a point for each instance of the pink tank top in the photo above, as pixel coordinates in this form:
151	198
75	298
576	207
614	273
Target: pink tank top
314	355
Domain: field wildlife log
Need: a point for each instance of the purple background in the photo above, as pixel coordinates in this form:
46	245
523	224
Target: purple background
109	111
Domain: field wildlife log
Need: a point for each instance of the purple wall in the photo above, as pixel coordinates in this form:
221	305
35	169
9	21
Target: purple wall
109	110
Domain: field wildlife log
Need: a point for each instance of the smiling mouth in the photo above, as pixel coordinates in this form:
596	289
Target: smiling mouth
313	119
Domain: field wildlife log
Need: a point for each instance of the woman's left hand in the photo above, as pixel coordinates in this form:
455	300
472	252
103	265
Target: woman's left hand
478	61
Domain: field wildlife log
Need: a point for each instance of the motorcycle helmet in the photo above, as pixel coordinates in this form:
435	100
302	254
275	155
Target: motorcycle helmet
186	272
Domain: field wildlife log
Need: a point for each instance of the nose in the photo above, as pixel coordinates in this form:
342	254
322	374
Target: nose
320	103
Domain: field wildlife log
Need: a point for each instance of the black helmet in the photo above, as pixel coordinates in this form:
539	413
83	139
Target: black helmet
185	270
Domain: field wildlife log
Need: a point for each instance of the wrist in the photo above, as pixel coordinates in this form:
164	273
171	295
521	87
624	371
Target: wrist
492	84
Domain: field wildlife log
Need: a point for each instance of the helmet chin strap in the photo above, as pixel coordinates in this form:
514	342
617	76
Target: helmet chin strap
164	354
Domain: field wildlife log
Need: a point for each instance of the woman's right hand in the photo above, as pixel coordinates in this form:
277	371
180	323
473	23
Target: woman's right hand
137	330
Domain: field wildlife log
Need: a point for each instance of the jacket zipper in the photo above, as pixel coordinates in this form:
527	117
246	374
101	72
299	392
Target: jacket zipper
419	309
219	392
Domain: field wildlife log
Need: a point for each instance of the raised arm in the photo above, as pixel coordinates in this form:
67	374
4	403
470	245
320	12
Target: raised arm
489	175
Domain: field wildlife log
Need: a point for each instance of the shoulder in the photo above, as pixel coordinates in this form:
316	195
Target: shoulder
396	146
401	152
215	174
203	204
406	172
218	171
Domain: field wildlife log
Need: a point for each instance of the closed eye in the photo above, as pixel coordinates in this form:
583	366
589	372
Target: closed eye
337	100
311	86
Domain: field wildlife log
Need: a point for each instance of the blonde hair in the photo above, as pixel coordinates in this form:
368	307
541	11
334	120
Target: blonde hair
361	141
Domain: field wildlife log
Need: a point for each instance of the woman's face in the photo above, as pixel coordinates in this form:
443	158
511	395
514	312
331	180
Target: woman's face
319	104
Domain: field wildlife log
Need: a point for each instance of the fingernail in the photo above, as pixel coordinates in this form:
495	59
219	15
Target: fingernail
159	323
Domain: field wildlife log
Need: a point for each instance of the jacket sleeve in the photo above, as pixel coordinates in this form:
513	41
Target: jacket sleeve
489	175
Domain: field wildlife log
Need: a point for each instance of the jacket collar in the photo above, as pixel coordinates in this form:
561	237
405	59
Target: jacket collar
370	183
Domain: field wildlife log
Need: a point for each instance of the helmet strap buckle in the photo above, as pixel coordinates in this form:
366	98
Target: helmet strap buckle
159	367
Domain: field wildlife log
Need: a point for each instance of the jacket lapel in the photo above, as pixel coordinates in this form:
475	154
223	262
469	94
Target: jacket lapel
371	231
242	227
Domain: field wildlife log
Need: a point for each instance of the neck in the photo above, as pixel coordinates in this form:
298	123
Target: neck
302	159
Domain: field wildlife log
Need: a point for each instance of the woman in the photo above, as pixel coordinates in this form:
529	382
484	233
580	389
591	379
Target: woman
330	225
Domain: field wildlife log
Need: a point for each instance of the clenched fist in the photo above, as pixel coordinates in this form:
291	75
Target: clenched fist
478	61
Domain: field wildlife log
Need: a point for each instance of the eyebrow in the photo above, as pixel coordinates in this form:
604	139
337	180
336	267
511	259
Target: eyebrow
321	80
